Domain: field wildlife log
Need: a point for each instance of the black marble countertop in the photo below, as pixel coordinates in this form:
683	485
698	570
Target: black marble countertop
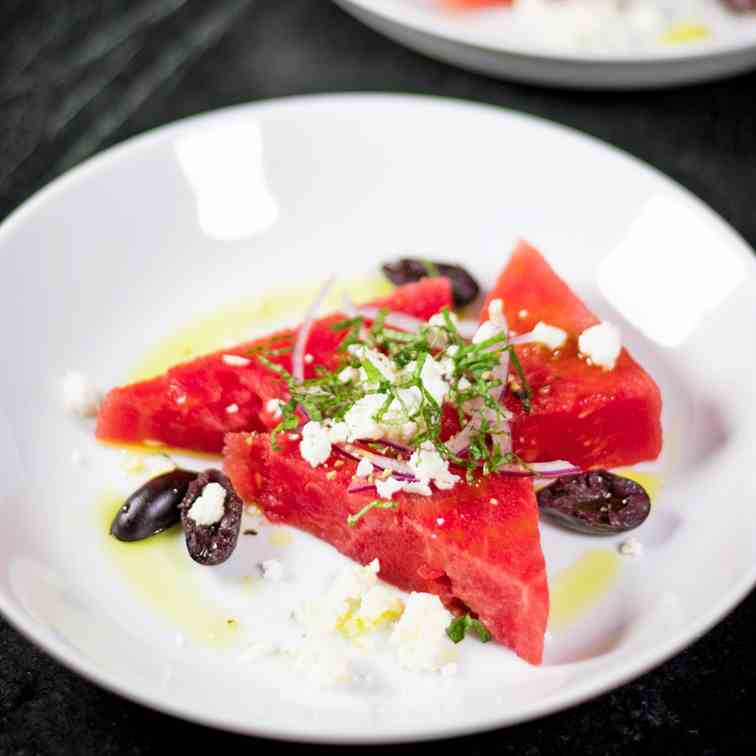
79	75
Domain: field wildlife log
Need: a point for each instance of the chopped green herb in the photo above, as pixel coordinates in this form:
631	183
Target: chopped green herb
430	268
352	520
459	627
528	393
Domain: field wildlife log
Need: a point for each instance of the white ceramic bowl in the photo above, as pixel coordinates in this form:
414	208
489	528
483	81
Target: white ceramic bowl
116	256
490	43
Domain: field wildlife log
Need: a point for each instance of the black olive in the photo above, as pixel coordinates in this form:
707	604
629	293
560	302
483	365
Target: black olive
212	544
465	288
596	502
153	507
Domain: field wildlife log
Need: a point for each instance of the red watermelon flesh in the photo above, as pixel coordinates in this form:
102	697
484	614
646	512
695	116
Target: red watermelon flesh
188	406
582	413
477	547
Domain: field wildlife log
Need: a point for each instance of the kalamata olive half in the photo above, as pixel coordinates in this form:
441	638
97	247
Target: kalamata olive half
465	288
211	528
596	502
153	507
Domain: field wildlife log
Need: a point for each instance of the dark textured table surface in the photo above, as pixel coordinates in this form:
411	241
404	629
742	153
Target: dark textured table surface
79	75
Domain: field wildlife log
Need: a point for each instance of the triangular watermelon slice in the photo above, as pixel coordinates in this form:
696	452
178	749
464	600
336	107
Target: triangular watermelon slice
193	405
581	413
476	546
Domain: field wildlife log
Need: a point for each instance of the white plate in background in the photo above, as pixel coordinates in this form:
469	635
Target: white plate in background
495	42
117	255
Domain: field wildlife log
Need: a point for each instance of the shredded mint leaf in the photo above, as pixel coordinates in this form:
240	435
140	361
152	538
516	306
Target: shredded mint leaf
527	404
352	520
430	268
459	626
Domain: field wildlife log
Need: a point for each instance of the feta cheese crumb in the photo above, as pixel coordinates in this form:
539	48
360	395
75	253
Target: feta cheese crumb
328	613
387	488
232	409
273	570
274	407
235	360
79	395
631	547
309	359
549	335
208	507
428	465
365	468
338	433
420	634
349	374
315	446
601	344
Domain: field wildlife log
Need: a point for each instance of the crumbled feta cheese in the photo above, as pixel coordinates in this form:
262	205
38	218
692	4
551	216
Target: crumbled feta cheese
364	468
452	350
387	488
429	465
496	311
232	409
381	363
463	384
432	377
328	613
420	634
486	331
273	570
378	606
338	433
359	418
417	487
208	509
274	407
79	395
349	374
315	446
549	335
309	359
631	547
439	320
601	344
235	360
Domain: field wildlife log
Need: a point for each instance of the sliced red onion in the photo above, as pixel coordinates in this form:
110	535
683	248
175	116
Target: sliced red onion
523	338
380	461
554	469
358	486
390	444
298	355
468	328
394	319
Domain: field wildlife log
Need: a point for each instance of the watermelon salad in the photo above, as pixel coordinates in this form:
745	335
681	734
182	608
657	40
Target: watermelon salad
607	25
413	442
